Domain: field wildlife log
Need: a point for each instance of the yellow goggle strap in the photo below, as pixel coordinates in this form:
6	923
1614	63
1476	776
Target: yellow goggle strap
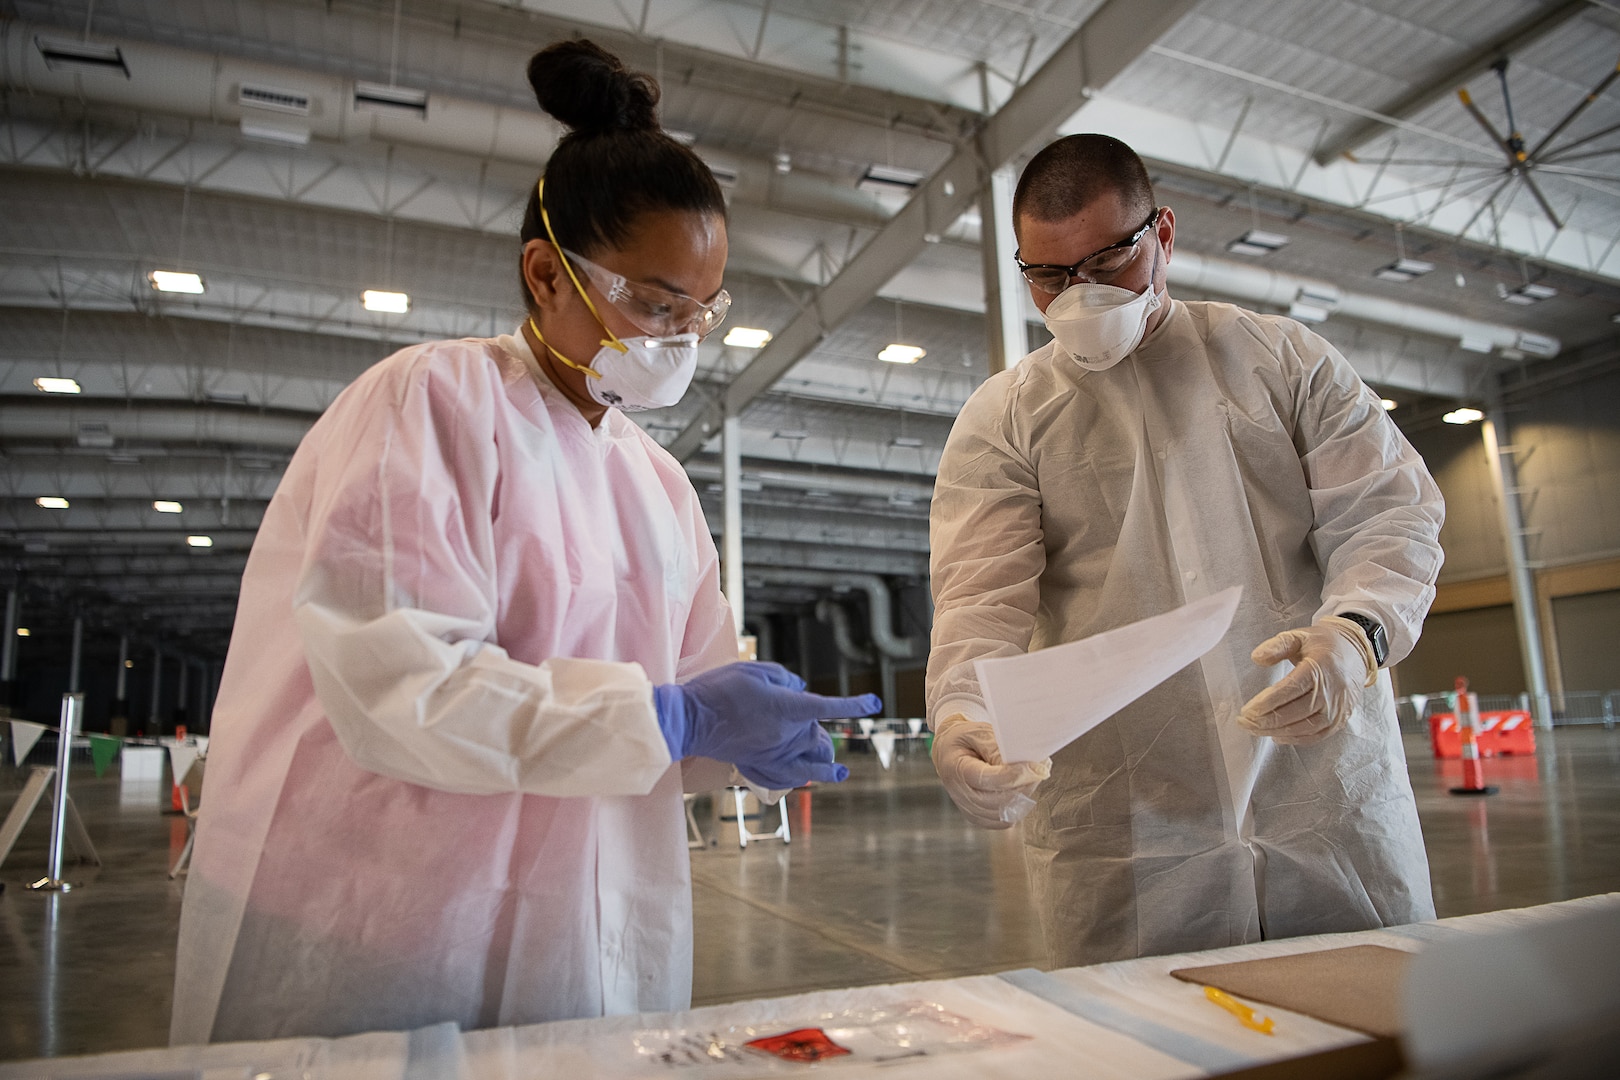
592	372
611	341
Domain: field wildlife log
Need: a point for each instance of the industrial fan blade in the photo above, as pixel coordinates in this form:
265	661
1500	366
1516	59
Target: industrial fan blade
1541	200
1580	107
1484	122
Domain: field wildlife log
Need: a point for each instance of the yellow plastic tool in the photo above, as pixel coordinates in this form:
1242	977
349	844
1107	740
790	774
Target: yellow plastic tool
1245	1015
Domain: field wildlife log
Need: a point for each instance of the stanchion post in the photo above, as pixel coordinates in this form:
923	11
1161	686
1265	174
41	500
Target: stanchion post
72	711
1467	712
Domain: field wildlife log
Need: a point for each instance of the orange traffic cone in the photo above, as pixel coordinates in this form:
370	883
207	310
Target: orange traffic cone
1468	728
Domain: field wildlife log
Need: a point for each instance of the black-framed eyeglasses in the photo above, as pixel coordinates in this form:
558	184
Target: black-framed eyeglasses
1098	266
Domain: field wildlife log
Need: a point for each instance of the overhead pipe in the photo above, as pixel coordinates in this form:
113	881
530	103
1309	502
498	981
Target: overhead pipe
836	616
880	604
779	475
764	637
207	86
155	423
297	103
1260	285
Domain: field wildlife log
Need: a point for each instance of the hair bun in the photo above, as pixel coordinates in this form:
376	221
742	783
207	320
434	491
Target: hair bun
588	89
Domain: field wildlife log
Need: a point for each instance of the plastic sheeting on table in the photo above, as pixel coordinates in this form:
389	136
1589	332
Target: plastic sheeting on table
596	1049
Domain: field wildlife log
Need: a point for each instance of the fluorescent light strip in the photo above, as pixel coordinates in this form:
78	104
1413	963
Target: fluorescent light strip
746	337
902	354
176	281
394	303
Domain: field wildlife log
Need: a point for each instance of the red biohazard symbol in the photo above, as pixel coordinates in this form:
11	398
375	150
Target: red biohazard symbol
806	1044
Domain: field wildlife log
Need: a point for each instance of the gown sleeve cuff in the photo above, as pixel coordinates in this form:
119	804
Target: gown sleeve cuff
968	705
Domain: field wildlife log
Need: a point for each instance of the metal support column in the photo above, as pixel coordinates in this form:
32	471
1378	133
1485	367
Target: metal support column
804	648
120	709
886	683
74	671
72	713
1505	482
182	714
1003	284
731	532
8	652
154	721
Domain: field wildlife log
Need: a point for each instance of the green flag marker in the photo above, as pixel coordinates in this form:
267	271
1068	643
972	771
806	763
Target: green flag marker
103	748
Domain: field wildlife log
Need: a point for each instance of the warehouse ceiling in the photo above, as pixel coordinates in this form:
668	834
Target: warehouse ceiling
226	139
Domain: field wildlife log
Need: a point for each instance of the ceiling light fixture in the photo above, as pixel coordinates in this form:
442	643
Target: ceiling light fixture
746	337
23	631
1257	242
1314	303
783	161
902	354
394	303
1403	270
56	386
200	541
164	506
1531	292
1463	416
1475	343
176	281
51	502
1389	404
906	442
792	436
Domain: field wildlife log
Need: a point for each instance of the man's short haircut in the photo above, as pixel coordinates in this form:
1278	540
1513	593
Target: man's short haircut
1072	173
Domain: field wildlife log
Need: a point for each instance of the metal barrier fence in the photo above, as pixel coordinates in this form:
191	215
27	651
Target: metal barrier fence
1567	709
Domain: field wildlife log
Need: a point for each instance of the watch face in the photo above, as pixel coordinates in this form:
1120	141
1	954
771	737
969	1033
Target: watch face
1375	635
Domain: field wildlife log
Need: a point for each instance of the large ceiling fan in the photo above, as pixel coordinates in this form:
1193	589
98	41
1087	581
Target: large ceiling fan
1547	156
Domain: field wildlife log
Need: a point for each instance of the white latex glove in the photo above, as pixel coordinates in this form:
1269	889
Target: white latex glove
1333	663
992	794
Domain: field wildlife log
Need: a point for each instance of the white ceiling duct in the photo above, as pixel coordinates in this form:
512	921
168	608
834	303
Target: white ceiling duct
229	89
240	427
1258	285
821	480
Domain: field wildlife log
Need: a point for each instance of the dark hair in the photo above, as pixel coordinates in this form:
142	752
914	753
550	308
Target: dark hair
615	163
1072	173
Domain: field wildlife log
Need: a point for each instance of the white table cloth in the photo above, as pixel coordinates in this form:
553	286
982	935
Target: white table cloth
1126	1019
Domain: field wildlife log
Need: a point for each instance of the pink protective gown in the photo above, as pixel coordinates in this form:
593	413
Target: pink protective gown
436	786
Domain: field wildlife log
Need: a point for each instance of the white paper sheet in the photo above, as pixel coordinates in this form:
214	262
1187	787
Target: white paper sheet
1042	701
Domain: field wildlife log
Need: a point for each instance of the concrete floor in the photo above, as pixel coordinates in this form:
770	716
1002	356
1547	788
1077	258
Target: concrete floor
884	881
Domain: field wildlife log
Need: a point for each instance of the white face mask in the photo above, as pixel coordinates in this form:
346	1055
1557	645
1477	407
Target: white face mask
1100	325
652	372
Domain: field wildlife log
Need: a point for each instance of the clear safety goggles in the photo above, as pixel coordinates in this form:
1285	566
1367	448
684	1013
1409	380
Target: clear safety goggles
1100	266
656	312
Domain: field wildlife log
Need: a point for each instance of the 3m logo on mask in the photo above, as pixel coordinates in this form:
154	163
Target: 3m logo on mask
1100	325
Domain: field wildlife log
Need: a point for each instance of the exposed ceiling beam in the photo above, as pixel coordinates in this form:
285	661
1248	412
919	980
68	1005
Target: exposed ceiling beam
1533	28
1116	34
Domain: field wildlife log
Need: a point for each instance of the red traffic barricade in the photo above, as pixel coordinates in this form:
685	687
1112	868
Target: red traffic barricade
1507	732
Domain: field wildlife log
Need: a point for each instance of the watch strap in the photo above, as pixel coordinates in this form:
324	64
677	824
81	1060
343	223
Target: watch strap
1375	634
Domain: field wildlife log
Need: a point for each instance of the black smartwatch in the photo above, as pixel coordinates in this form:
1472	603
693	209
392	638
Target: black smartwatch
1375	634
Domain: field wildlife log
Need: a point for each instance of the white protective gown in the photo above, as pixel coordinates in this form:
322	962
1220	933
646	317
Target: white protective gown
1230	449
436	787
